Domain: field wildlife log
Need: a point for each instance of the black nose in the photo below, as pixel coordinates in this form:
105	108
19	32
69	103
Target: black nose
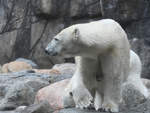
46	51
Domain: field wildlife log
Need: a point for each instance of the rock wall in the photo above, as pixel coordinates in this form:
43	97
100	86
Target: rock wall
26	26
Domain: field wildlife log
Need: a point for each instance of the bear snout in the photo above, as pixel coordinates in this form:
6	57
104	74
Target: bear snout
46	51
50	52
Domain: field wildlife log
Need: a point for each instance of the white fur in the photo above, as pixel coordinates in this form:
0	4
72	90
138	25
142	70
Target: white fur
135	74
103	42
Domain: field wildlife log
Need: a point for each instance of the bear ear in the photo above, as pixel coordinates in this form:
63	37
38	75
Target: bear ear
76	34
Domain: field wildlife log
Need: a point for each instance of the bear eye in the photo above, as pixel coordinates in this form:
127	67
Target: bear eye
56	39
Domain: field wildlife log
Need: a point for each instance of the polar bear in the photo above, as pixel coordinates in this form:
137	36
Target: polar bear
99	47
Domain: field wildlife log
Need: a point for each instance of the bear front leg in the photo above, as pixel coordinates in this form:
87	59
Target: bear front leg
83	82
98	99
113	69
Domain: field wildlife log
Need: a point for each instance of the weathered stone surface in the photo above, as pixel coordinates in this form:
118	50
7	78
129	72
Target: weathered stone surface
15	66
50	8
85	9
125	11
18	94
23	33
53	94
42	107
59	69
58	72
141	107
65	68
34	65
20	88
133	100
42	33
6	45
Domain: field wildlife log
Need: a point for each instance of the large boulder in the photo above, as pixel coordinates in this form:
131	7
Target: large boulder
20	88
15	66
17	94
33	64
42	107
133	100
53	94
17	89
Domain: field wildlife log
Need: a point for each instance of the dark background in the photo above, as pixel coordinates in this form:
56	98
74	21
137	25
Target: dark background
26	26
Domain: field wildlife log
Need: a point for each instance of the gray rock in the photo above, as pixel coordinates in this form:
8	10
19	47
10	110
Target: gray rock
8	112
139	33
133	102
34	65
125	11
22	34
140	108
132	98
65	68
19	88
42	107
85	9
18	94
50	8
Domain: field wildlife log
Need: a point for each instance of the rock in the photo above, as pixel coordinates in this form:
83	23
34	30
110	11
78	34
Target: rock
135	104
0	69
6	45
144	109
8	112
34	65
17	95
47	71
86	8
59	71
42	107
53	94
42	33
65	68
125	11
24	35
20	108
146	82
50	8
133	100
17	89
15	66
139	33
131	97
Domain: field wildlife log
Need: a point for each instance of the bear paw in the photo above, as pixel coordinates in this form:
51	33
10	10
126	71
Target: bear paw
82	98
110	106
98	101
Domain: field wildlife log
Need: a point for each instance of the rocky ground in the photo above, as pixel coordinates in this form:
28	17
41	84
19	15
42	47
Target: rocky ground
40	90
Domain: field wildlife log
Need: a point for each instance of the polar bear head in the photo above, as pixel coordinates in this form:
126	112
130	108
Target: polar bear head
65	43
